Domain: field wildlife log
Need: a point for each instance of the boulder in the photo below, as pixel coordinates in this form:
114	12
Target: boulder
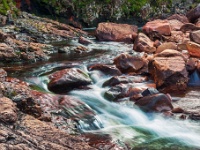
84	41
193	14
188	27
160	26
193	49
106	69
166	45
143	44
67	79
124	79
175	24
198	22
168	69
191	64
116	32
130	91
179	17
155	103
127	63
177	37
195	36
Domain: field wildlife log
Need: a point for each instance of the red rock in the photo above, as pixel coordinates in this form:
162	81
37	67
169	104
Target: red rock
166	45
7	52
191	64
177	110
143	44
193	49
177	37
189	27
3	75
127	63
175	24
106	69
179	17
160	26
84	40
195	36
157	102
193	14
116	32
168	69
124	79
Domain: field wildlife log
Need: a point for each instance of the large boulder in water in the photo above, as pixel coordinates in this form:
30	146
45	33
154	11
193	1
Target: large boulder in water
168	69
67	79
156	102
143	44
116	32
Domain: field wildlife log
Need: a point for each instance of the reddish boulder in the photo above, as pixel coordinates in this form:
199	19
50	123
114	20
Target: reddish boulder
195	36
177	37
179	17
127	63
156	103
166	45
168	69
160	26
106	69
188	27
143	44
84	41
191	64
124	79
193	49
67	79
116	32
175	24
193	14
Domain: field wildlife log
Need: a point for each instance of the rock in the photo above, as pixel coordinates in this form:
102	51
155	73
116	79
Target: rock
116	32
195	36
177	110
179	17
3	20
198	22
166	45
155	103
84	41
7	53
127	63
177	37
124	79
191	64
188	27
160	26
193	14
3	75
106	69
175	24
143	44
132	91
67	79
8	110
193	49
168	69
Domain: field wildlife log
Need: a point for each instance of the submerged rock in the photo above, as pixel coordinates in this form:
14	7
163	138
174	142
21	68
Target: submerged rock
116	32
68	79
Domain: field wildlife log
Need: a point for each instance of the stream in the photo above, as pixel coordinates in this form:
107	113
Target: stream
123	121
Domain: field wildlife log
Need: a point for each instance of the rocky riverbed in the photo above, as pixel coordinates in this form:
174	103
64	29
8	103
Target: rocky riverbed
63	88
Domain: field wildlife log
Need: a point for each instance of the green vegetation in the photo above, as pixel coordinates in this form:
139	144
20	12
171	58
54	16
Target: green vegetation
8	6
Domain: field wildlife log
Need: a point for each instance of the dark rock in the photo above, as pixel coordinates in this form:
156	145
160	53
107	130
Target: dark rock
149	91
143	44
116	32
3	20
124	79
127	63
177	110
106	69
169	71
67	79
193	14
156	102
189	27
191	64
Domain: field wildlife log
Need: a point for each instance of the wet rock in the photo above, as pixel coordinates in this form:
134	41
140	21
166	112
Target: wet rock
106	69
8	110
193	49
195	36
143	44
132	91
175	24
179	17
127	63
149	91
188	27
166	45
84	41
124	79
193	14
160	26
67	79
116	32
156	102
168	69
177	110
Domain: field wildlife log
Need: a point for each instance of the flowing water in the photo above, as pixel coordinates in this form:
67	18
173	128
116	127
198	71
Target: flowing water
122	121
